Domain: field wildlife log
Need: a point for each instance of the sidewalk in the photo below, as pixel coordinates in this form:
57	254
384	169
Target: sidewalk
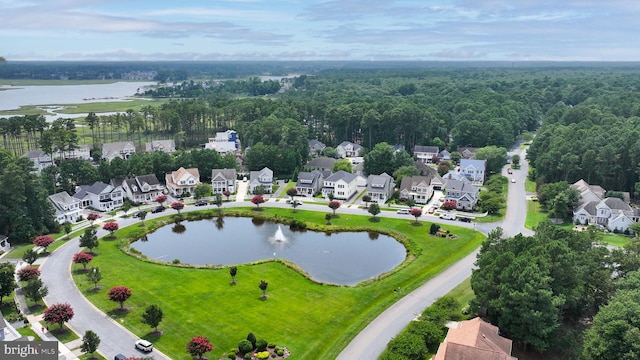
63	349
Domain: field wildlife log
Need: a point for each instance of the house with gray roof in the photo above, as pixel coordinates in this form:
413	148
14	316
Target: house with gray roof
120	149
347	149
474	170
168	146
342	185
223	180
263	178
380	187
462	192
40	159
425	154
611	213
309	183
320	163
418	188
467	152
316	147
99	196
141	189
67	208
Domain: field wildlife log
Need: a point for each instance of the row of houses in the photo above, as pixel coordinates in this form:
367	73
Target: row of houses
612	213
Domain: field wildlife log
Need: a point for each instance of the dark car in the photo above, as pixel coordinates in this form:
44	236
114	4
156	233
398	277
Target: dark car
157	209
201	203
119	357
465	219
136	214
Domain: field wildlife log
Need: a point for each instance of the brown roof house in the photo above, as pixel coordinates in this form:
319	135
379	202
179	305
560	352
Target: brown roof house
474	339
182	181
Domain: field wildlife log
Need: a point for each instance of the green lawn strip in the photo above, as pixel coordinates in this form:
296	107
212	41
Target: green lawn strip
287	186
63	334
534	215
28	331
615	240
109	106
463	293
529	186
315	321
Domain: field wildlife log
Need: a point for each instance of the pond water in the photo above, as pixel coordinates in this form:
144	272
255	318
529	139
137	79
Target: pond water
339	258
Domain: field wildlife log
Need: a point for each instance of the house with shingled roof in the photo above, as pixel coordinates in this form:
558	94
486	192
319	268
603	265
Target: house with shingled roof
316	147
168	146
120	149
462	192
342	185
418	188
320	163
142	189
99	196
182	182
67	208
40	159
474	339
611	213
263	178
425	154
474	170
223	180
380	187
309	183
347	149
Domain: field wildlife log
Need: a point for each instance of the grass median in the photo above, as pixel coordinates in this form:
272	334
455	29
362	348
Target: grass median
314	321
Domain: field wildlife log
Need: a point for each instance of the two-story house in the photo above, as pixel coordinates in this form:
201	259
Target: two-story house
67	208
309	183
320	163
168	146
316	147
182	182
611	213
223	180
342	185
467	152
142	189
121	149
418	188
40	159
263	178
462	192
474	339
380	187
474	170
347	149
224	142
99	196
425	154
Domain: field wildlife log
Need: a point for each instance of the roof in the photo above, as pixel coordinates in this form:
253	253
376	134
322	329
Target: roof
460	185
467	152
341	175
474	339
378	182
149	179
589	207
347	143
426	149
228	174
62	198
316	144
161	145
321	162
181	172
408	182
477	164
307	179
97	187
615	203
35	154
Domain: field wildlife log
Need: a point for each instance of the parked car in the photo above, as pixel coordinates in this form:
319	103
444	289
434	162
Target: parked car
136	214
157	209
448	216
465	219
119	357
509	171
403	211
513	180
201	202
431	210
144	345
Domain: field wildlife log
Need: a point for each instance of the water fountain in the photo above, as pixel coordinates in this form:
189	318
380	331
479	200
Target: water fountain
279	236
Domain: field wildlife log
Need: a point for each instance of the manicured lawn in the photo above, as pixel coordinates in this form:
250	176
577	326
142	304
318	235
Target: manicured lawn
529	186
315	321
534	215
463	293
615	240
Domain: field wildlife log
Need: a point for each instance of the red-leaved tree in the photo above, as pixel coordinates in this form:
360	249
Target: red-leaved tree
58	314
449	205
334	205
257	200
92	217
43	241
28	272
119	294
198	346
82	258
111	227
415	212
177	206
160	199
226	193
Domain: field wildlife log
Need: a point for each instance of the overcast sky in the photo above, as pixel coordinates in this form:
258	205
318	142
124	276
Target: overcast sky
549	30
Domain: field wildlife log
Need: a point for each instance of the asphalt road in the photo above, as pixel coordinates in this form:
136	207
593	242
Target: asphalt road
369	343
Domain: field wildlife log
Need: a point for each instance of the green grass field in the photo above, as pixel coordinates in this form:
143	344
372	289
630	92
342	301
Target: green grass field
534	215
315	321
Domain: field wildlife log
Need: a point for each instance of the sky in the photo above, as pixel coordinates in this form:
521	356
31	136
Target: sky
371	30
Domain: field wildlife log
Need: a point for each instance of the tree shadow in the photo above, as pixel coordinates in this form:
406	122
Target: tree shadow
374	219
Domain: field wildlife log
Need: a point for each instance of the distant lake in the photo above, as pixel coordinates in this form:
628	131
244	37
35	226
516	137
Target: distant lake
12	97
338	258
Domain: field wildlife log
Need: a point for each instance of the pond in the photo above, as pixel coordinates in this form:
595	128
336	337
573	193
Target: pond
338	258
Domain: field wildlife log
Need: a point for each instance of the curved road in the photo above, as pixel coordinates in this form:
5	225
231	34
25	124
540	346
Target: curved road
56	274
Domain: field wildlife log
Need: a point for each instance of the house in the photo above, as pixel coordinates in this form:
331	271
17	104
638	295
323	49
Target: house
223	180
437	182
121	149
68	209
474	170
99	196
425	154
40	159
611	213
182	182
380	187
444	155
316	147
342	185
309	183
4	246
474	339
262	178
462	192
320	163
418	188
8	332
224	142
467	152
82	152
142	189
167	146
588	192
347	149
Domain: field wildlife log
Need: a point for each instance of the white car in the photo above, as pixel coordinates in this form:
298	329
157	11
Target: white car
403	211
513	180
144	345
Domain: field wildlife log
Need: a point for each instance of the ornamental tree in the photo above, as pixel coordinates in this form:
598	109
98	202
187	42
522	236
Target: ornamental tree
415	212
233	271
58	314
367	200
35	290
334	205
111	227
119	294
43	241
257	200
292	192
152	316
27	273
92	217
198	346
160	199
374	209
90	342
177	206
217	201
263	286
449	205
30	256
82	258
89	239
226	193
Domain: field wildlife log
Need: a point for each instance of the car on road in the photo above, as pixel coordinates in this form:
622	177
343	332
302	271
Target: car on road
201	202
465	219
403	211
509	171
119	357
431	210
144	345
448	216
513	180
136	214
157	209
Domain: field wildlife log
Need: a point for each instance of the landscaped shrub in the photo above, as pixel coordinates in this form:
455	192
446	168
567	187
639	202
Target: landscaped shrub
280	352
244	347
252	339
247	356
261	345
231	356
271	346
262	355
